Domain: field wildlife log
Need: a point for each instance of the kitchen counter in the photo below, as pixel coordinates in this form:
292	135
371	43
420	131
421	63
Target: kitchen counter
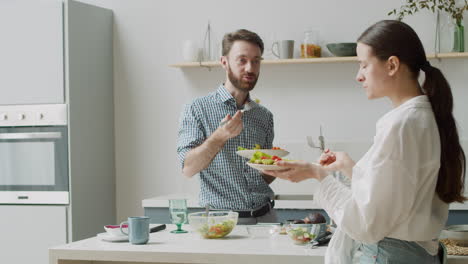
165	247
282	201
287	206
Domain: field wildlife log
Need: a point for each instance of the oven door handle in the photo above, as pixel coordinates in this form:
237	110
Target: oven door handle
35	135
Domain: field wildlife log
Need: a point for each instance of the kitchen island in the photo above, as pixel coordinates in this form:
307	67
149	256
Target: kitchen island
165	247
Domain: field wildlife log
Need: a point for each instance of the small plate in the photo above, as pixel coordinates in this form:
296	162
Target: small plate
265	167
248	153
110	238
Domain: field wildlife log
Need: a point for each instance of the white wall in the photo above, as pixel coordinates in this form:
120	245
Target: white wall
149	95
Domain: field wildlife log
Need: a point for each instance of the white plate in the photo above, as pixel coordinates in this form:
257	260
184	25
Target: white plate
110	238
248	153
265	167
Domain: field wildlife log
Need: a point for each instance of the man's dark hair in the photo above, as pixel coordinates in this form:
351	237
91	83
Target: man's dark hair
241	34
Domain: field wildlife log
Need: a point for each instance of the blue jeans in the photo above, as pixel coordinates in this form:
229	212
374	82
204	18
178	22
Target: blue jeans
394	251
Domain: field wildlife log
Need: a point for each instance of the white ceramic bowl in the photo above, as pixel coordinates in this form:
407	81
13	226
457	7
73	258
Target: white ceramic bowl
114	230
457	233
217	225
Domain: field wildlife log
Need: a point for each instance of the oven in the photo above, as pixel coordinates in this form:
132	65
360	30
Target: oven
34	154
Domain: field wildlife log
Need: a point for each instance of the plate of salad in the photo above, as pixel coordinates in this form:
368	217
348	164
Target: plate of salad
248	153
263	161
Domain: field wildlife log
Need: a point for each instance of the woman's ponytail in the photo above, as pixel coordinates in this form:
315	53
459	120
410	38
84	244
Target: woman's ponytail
450	183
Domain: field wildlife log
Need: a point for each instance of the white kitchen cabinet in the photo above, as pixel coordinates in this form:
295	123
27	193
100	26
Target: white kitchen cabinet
27	232
31	52
66	58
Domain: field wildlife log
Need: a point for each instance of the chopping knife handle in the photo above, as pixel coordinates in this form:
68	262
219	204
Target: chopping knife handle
157	228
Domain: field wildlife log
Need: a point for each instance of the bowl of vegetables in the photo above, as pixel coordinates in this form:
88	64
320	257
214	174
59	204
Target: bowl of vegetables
301	233
216	224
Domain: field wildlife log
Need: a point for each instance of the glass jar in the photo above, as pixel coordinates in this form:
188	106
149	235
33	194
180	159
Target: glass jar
310	47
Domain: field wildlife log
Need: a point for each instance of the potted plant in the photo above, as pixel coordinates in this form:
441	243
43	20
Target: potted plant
448	6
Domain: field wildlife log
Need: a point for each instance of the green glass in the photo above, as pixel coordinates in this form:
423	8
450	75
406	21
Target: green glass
178	214
459	38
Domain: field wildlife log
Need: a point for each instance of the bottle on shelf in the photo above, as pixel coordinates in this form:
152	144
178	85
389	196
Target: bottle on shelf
310	47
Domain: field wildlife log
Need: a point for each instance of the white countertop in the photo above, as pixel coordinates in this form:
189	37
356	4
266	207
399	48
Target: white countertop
192	202
165	247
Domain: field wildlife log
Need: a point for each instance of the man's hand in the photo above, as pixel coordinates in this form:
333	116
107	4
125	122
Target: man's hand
200	157
232	128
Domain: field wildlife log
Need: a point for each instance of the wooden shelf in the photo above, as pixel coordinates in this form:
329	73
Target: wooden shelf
312	60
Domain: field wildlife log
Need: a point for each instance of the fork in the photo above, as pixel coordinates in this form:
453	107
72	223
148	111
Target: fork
247	106
311	144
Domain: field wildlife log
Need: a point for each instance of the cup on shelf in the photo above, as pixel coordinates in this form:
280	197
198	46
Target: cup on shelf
190	51
284	49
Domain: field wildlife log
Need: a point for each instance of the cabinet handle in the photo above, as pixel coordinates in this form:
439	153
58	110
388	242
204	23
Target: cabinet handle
37	135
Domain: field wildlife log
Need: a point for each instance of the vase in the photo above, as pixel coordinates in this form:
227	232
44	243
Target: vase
459	38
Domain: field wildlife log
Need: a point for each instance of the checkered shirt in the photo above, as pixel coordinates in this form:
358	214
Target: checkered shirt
228	182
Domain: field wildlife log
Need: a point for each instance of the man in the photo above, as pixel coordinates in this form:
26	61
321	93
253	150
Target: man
212	127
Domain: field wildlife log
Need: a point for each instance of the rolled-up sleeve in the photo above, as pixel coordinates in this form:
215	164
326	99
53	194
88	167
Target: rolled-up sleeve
191	133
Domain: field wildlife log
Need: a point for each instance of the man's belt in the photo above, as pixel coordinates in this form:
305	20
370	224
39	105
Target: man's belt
256	212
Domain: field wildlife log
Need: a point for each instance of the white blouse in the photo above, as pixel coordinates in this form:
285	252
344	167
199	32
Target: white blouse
393	185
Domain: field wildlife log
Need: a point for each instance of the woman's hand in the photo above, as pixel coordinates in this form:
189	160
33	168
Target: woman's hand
337	161
296	171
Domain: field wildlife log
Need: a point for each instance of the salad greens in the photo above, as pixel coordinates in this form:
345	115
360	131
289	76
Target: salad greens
257	146
262	158
217	231
300	235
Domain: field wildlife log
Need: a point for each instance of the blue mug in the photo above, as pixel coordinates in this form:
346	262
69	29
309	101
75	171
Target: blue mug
138	229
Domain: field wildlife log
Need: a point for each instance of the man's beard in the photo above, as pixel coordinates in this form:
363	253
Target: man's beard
239	83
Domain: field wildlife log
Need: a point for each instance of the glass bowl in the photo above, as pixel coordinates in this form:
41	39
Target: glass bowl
217	224
301	233
263	231
457	233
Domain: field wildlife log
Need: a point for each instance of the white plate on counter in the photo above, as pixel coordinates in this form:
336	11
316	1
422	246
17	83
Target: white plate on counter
248	153
111	238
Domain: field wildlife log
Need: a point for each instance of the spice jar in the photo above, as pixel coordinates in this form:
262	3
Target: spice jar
310	47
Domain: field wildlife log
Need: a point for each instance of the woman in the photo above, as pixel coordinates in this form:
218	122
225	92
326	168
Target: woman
401	188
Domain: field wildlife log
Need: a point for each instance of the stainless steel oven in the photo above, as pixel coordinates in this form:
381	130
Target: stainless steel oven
34	154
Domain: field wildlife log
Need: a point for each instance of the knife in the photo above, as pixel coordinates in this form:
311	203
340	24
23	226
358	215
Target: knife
157	228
